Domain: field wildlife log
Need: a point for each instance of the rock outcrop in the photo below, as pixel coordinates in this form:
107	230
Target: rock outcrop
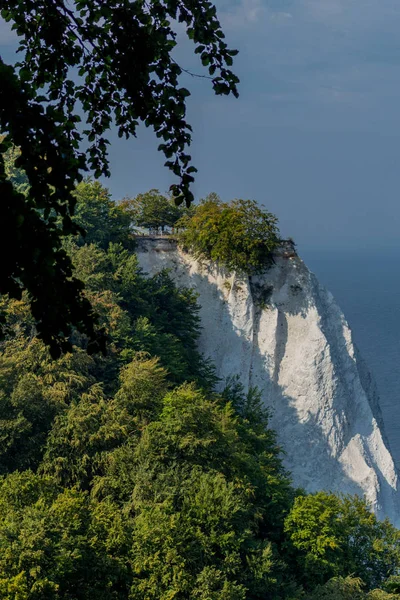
284	333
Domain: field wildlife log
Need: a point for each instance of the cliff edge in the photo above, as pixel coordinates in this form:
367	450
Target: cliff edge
283	332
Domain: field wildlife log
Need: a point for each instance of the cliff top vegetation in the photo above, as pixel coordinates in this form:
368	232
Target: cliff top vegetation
153	210
238	234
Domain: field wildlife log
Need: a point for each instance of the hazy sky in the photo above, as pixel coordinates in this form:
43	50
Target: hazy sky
315	134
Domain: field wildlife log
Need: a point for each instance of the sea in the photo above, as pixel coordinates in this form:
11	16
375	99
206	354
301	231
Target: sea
366	285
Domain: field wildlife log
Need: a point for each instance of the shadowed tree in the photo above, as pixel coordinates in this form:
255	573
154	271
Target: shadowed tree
153	210
112	62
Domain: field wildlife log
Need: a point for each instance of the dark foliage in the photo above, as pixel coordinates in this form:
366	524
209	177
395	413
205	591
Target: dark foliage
113	62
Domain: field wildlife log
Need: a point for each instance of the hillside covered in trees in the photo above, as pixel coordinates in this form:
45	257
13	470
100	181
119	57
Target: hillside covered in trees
126	476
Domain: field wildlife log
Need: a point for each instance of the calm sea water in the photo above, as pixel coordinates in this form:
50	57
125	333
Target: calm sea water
367	288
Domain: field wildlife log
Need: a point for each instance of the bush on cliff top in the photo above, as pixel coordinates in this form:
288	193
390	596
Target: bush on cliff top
238	234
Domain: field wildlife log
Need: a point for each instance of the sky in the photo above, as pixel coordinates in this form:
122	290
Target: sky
315	134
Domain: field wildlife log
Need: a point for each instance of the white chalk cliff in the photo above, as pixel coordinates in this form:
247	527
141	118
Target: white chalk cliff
284	333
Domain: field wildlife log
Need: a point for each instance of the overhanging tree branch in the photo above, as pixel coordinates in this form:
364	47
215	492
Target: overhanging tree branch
122	52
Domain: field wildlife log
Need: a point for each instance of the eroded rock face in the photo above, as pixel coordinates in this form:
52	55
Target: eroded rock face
284	333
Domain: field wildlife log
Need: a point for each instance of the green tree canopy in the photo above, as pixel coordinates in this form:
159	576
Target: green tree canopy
205	488
237	234
112	62
339	536
103	220
17	177
153	210
65	545
348	588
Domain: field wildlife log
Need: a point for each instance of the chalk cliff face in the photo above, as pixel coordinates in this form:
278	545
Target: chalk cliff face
284	333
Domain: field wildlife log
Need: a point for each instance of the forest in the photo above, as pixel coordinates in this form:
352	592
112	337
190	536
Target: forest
127	476
128	471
